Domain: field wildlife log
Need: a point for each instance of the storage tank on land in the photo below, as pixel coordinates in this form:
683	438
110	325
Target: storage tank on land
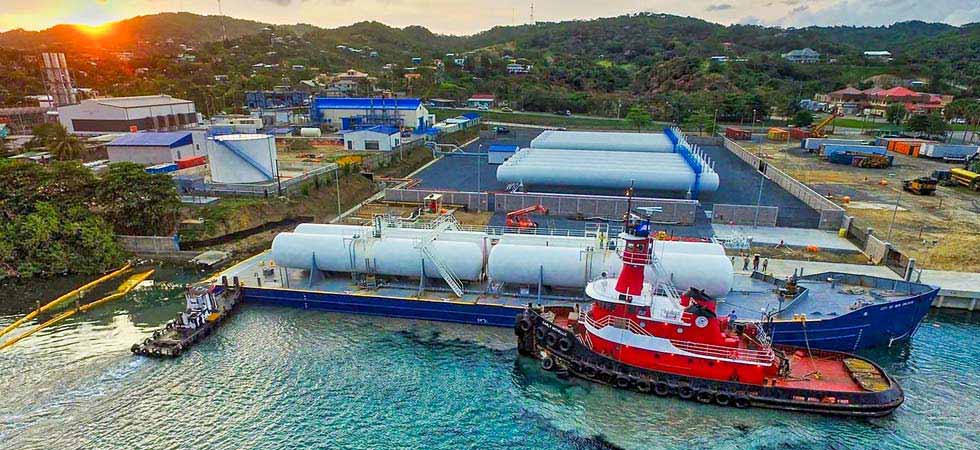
601	169
593	140
242	158
384	256
310	132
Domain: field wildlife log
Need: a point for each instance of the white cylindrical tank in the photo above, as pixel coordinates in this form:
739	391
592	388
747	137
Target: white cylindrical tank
570	267
559	266
408	233
310	132
593	140
645	171
242	158
386	256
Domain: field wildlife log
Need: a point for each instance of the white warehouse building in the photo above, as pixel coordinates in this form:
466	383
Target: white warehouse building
128	114
378	138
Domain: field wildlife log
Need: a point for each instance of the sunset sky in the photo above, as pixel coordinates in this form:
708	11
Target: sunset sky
470	16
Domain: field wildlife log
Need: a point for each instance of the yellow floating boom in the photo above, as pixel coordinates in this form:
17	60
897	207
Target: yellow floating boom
121	291
68	296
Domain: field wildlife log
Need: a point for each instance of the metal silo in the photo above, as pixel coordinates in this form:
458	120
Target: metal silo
242	158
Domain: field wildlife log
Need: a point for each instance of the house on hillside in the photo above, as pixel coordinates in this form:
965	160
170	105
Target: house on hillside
481	101
804	56
878	55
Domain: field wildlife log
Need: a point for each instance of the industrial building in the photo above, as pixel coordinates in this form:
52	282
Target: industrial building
24	118
352	113
275	99
132	114
153	148
377	138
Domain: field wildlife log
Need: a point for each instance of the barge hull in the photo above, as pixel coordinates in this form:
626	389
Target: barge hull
376	305
873	326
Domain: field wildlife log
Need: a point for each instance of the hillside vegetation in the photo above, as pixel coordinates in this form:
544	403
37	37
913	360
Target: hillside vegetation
601	66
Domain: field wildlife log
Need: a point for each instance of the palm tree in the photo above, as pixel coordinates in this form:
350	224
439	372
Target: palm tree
64	146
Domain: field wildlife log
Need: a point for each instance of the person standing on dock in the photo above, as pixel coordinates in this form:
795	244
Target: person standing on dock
745	263
755	262
765	265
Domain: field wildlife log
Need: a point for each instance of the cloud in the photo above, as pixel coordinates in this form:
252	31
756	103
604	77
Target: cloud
882	12
719	7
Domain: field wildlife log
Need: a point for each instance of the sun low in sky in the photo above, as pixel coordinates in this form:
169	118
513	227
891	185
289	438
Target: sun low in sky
472	16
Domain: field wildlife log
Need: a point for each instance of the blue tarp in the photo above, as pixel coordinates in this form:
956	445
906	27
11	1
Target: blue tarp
149	139
471	115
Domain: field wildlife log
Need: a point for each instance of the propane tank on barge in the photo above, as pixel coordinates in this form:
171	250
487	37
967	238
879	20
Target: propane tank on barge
648	337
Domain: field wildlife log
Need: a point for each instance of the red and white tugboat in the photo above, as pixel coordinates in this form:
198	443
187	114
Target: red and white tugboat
645	336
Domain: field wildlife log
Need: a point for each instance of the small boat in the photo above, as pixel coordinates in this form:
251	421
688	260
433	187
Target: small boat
207	307
648	337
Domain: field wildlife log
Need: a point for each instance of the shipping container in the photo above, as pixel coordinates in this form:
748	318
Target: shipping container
814	144
778	134
799	133
827	150
738	134
948	151
851	158
906	148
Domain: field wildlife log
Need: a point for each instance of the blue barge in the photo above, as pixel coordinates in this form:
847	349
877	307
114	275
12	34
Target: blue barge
829	311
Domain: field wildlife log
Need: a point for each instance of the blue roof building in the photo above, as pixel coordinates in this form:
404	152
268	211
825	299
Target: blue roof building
351	113
169	139
153	148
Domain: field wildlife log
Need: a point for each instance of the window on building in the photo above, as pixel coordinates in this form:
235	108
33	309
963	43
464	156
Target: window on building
372	145
350	145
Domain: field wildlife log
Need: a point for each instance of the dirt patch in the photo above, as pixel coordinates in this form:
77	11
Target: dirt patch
941	231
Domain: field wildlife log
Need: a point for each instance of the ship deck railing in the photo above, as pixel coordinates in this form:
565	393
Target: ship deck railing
764	356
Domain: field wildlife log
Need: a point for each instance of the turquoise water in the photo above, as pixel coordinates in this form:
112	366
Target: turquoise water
285	378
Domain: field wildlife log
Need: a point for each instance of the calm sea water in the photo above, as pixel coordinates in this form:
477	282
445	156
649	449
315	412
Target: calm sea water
284	378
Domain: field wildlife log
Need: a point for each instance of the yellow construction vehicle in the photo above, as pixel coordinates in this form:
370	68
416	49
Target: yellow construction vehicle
818	130
921	185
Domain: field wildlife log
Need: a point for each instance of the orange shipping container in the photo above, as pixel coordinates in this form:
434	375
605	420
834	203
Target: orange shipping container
907	148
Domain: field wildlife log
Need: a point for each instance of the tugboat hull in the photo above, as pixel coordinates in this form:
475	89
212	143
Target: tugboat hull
560	350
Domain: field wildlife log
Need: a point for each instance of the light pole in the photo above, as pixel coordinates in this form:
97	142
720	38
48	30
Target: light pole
891	225
714	126
753	117
758	200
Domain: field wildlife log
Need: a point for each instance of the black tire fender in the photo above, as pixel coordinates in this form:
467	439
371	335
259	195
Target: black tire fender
548	363
565	344
589	371
662	389
741	402
685	392
551	340
539	334
723	399
705	396
524	324
622	382
643	386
